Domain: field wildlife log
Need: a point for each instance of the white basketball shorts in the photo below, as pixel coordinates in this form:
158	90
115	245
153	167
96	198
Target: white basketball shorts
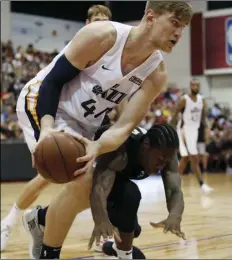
188	141
28	119
201	148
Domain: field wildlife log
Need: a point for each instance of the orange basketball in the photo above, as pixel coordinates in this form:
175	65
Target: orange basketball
55	157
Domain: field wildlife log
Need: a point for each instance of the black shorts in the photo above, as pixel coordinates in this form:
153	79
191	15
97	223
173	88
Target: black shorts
123	203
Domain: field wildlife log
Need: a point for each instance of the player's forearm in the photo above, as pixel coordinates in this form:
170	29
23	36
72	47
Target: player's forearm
174	120
112	139
98	201
47	122
175	202
102	186
172	186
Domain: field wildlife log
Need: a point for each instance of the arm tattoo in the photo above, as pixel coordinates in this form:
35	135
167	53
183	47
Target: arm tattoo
103	179
172	186
102	185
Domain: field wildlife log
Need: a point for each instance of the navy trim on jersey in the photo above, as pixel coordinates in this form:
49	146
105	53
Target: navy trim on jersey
31	117
49	93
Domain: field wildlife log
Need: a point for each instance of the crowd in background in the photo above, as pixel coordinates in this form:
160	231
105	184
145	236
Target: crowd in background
20	65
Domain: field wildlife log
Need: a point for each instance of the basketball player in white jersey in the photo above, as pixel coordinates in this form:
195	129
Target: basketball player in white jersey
105	63
192	108
33	189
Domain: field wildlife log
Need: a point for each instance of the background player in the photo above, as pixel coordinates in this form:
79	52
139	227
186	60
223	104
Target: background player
142	73
192	108
115	195
33	188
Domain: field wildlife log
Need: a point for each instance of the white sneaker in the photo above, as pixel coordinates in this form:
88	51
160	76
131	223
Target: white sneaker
206	188
6	228
98	247
31	225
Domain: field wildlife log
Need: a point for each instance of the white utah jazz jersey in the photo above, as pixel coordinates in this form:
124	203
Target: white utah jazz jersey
100	87
192	113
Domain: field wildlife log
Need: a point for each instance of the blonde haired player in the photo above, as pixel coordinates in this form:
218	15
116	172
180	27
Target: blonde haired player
34	187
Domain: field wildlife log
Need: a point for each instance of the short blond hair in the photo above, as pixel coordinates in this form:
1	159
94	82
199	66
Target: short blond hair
98	9
181	9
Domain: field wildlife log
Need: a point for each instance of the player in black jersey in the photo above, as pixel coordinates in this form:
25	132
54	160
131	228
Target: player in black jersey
115	198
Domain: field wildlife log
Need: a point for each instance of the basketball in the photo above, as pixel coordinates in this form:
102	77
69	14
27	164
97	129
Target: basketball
55	157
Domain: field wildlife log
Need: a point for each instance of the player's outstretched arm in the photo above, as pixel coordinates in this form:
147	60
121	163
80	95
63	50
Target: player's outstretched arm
88	45
134	111
174	198
131	116
172	186
103	180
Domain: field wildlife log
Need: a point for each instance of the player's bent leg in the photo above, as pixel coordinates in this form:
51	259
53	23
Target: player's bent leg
183	163
109	249
205	158
30	193
194	160
138	228
73	198
191	144
123	215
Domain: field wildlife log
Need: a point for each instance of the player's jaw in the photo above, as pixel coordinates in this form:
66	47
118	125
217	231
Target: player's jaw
157	159
195	87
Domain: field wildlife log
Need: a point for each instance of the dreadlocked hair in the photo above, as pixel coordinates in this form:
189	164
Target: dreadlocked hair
163	136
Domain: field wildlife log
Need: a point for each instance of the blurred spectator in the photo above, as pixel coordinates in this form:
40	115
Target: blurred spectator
18	67
215	111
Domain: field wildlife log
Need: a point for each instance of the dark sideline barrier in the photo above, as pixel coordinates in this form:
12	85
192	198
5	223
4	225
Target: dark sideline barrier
16	162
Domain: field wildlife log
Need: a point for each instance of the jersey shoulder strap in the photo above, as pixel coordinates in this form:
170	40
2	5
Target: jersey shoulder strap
138	133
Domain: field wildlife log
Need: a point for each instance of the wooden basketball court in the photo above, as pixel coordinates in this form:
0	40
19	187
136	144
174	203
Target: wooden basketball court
207	222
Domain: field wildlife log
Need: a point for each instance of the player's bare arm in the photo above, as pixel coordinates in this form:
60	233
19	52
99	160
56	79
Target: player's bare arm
88	45
179	107
204	114
172	186
174	199
205	122
133	113
103	180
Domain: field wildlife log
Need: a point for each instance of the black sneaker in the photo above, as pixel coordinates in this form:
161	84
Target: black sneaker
108	250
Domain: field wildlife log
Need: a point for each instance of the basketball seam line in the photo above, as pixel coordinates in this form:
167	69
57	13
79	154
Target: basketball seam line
62	157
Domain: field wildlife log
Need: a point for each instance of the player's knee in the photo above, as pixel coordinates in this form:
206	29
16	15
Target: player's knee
133	196
79	190
185	159
194	158
124	218
137	231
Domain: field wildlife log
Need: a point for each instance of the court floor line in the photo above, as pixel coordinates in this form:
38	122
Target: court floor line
163	245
